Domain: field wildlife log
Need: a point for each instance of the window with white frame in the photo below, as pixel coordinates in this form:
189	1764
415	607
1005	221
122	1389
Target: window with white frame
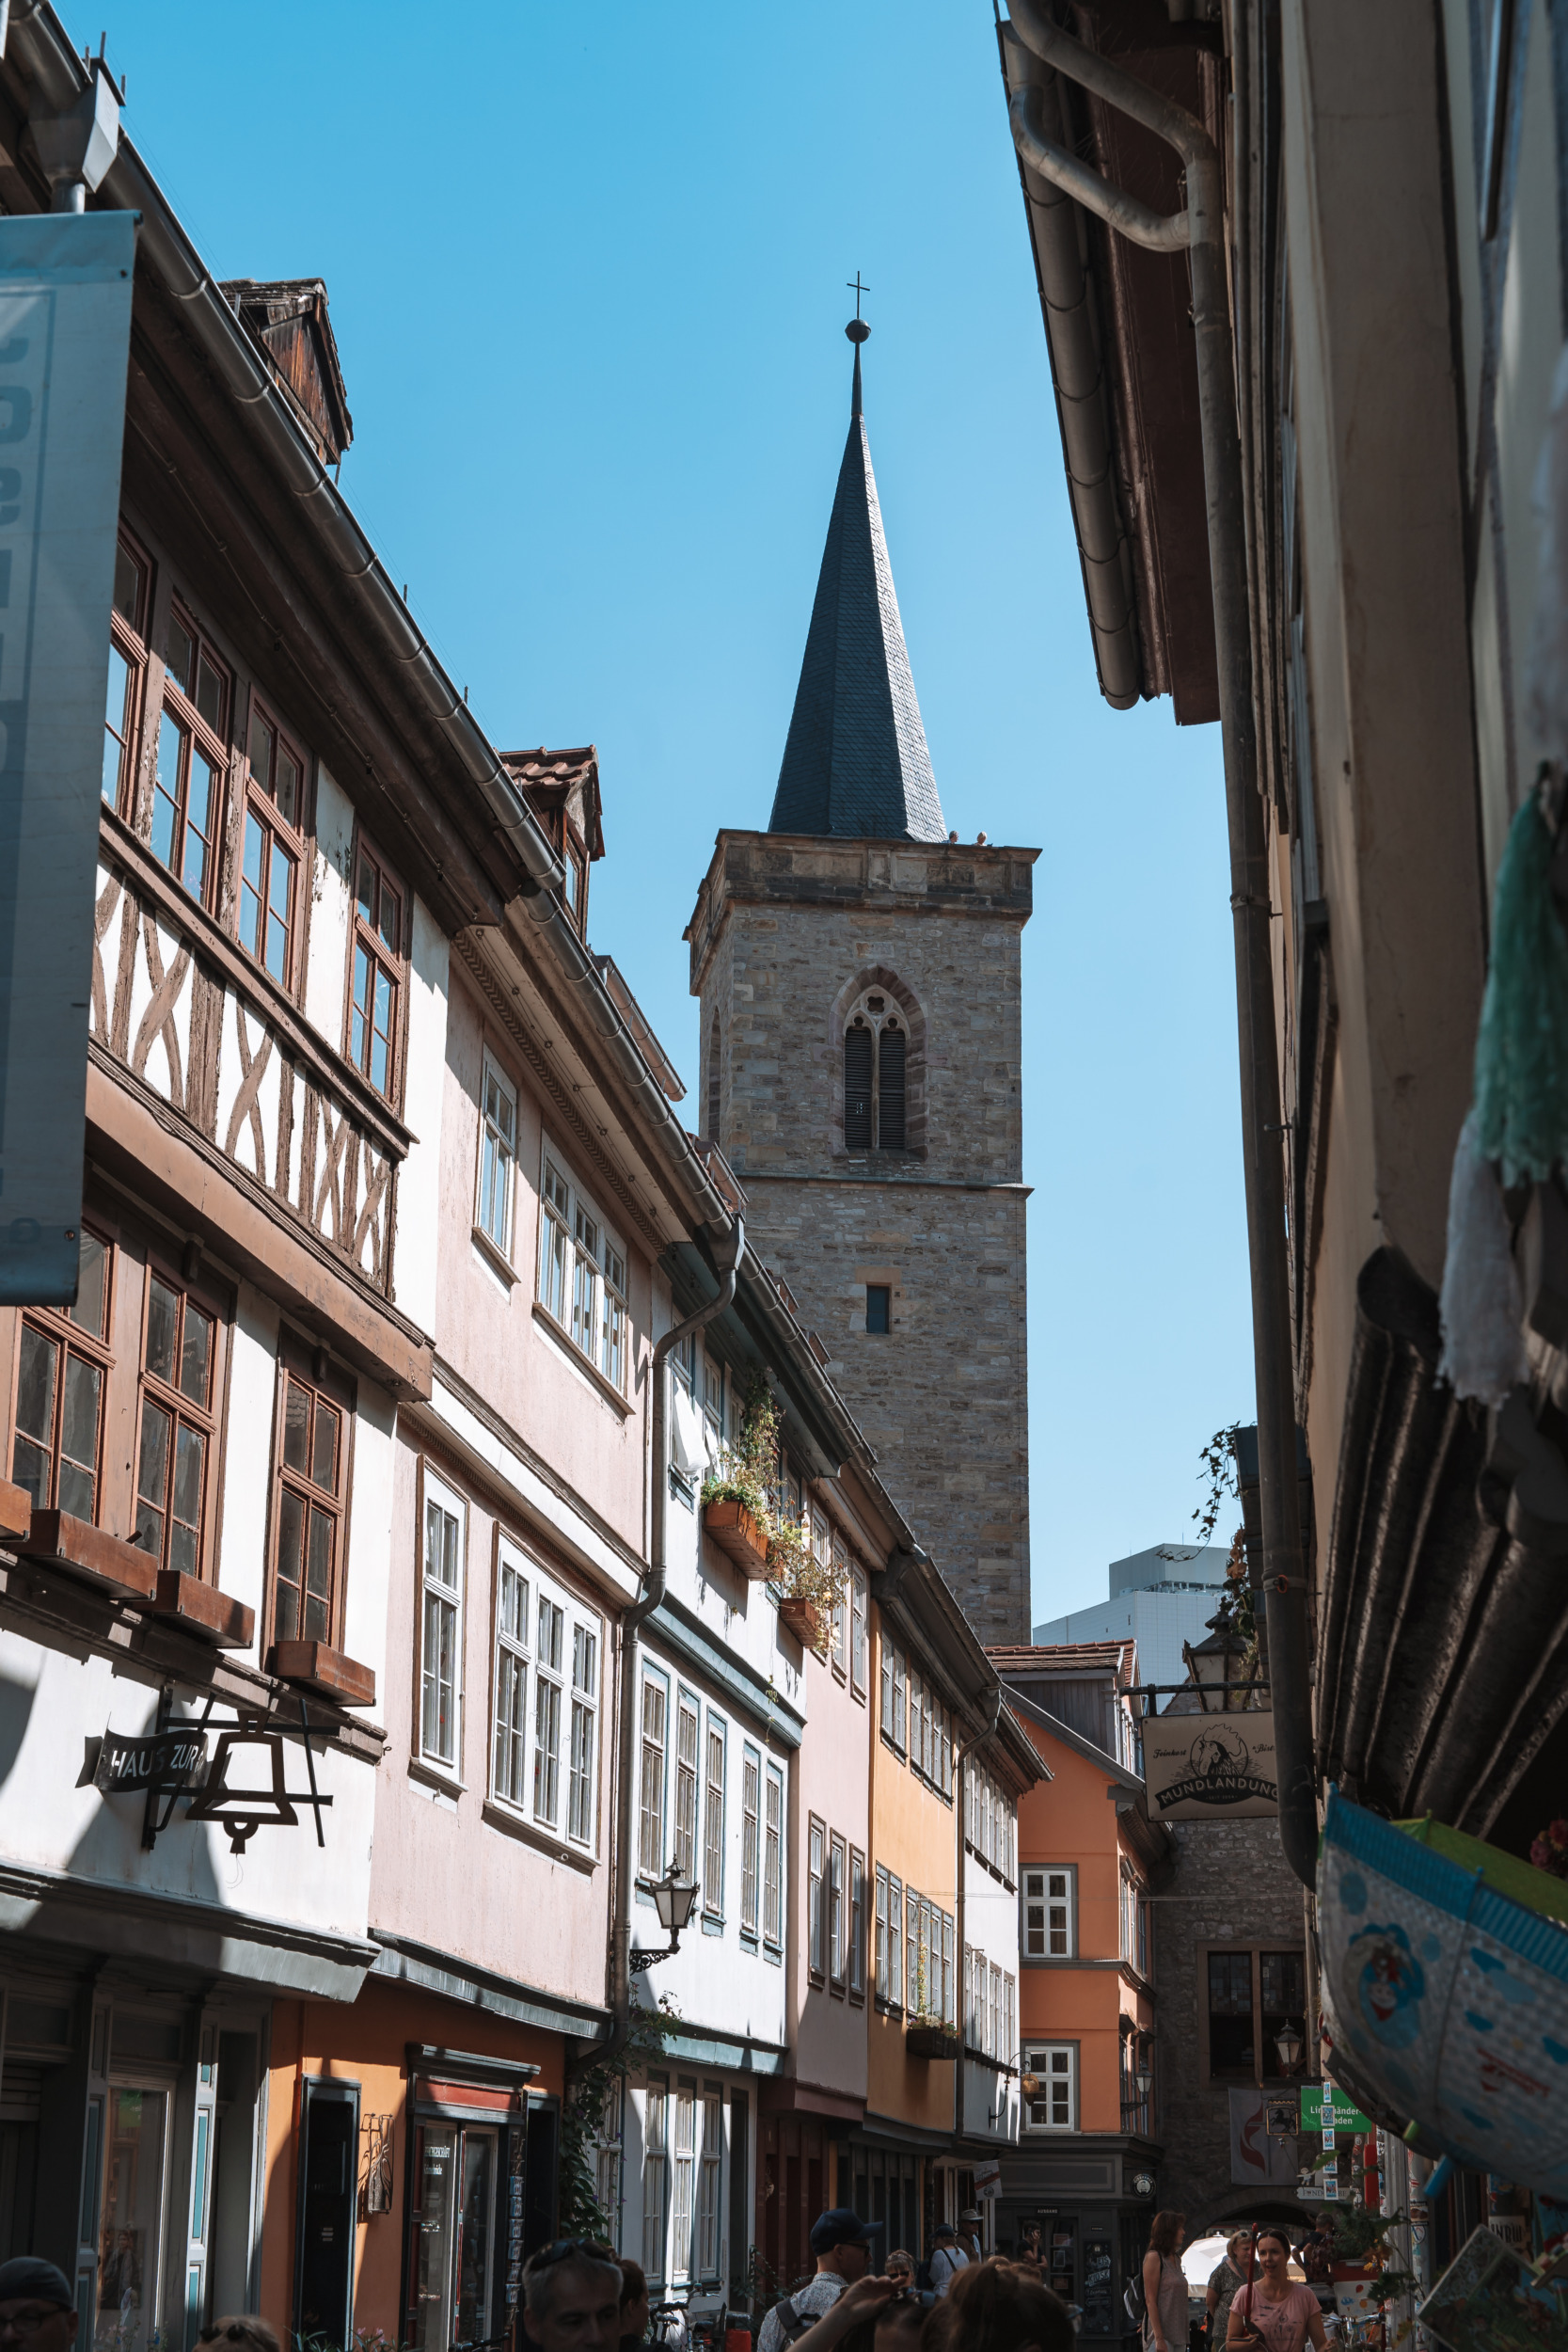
859	1606
441	1623
497	1156
881	1978
688	1733
543	1630
751	1837
837	1859
655	2173
650	1842
895	1941
582	1272
710	2182
857	1924
713	1822
1048	1908
949	1990
772	1862
817	1840
1053	2105
513	1598
684	2184
713	1395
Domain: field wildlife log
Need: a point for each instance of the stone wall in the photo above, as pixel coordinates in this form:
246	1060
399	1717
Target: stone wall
785	934
1231	1886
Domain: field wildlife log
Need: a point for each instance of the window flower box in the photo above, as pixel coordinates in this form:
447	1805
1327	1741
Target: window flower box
122	1570
805	1620
739	1535
928	2038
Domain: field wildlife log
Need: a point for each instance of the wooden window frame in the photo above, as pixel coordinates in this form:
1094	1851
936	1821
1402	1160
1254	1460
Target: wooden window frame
206	1419
365	939
775	1899
295	839
708	2229
652	1679
313	1370
434	1485
560	1249
131	642
655	2153
688	1779
509	1651
215	743
838	1896
1254	1953
881	1942
56	1325
816	1884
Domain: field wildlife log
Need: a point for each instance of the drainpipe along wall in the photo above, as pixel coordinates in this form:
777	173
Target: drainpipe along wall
1250	894
727	1246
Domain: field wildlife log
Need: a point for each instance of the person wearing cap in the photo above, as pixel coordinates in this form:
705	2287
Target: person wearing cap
841	2243
948	2257
37	2307
969	2233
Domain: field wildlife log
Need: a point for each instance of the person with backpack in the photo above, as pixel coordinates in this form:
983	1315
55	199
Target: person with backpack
947	2259
842	2244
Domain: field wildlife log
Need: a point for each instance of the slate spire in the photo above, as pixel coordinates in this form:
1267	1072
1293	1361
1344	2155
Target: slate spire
855	760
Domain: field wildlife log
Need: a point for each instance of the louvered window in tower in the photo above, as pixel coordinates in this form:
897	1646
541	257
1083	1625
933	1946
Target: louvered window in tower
890	1088
858	1048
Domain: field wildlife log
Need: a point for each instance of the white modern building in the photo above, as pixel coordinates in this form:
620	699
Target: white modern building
1159	1598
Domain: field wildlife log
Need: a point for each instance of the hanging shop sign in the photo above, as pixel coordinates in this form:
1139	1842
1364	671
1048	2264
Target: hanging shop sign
1211	1768
1280	2118
1324	2107
243	1787
987	2178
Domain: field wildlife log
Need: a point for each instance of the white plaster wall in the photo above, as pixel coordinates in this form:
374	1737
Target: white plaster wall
415	1250
248	1460
51	1703
990	1925
331	910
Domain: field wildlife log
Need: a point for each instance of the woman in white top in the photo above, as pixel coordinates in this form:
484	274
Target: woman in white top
1166	2285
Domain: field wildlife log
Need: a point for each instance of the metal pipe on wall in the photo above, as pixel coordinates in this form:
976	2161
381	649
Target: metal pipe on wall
1284	1583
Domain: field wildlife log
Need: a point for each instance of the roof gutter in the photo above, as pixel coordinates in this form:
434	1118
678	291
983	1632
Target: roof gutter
1078	375
37	43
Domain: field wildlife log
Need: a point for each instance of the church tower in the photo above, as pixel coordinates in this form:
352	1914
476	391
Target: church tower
859	980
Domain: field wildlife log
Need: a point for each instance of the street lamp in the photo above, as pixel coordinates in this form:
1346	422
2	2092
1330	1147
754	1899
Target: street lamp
1142	2080
674	1899
1289	2046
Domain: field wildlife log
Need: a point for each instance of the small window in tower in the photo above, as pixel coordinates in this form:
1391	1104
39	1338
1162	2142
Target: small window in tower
858	1045
878	1301
890	1088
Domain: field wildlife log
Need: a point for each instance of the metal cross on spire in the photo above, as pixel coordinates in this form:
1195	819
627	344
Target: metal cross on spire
857	290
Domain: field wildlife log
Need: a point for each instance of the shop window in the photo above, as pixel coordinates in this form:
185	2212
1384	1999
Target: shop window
131	2207
377	970
192	763
127	674
177	1438
455	2218
328	2171
710	2183
315	1415
62	1373
656	2174
273	850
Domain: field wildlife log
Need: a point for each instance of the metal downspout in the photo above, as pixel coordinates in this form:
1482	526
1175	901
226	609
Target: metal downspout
1284	1583
960	1815
728	1265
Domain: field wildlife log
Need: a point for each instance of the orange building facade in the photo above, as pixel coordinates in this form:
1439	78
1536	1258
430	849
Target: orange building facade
1080	2185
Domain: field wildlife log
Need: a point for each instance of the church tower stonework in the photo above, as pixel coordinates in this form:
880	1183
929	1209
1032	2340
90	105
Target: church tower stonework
859	973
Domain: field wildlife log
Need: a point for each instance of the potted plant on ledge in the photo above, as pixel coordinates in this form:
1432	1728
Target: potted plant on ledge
735	1508
808	1586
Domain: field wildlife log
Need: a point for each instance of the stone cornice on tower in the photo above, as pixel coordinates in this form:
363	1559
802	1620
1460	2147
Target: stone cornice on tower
908	877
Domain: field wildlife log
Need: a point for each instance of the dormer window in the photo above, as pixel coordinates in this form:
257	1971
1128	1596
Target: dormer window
574	888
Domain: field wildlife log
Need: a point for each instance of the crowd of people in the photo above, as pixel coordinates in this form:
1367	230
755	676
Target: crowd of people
579	2296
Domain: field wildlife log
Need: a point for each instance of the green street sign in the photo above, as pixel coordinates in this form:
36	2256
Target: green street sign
1323	2106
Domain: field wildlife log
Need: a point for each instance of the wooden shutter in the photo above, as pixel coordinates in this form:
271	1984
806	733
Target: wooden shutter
857	1088
890	1091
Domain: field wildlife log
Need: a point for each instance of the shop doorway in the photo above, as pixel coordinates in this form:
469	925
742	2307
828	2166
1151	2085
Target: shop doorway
134	2120
328	2183
456	2170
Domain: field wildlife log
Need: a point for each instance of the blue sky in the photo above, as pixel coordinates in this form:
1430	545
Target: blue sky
587	271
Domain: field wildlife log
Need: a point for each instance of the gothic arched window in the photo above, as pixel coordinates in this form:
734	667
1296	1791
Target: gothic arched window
876	1055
